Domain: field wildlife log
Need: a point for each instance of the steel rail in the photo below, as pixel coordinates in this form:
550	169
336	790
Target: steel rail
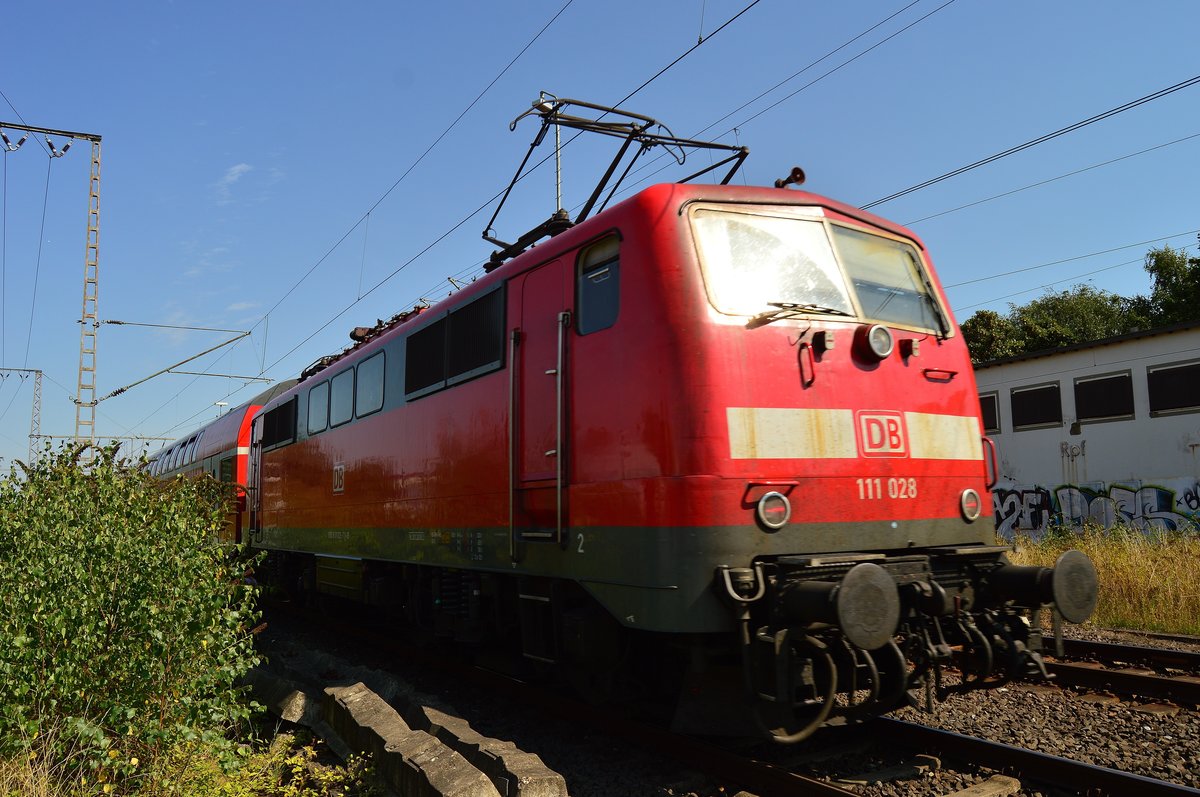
1184	689
1043	767
1141	654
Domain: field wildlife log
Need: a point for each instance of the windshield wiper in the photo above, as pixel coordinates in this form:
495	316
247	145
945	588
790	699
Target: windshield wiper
792	310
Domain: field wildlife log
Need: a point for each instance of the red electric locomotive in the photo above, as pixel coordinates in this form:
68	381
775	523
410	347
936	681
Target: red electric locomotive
725	430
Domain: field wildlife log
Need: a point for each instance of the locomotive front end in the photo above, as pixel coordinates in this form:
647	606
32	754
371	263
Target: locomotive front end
854	442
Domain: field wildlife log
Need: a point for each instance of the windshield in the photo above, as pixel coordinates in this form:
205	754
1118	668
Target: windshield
753	262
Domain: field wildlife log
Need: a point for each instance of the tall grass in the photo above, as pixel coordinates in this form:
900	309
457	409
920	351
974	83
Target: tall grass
1149	580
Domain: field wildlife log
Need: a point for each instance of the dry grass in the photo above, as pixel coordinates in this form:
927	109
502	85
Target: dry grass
1148	581
29	778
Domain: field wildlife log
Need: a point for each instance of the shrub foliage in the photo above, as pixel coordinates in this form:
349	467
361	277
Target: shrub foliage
125	625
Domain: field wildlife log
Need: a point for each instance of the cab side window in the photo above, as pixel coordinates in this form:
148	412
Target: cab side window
597	285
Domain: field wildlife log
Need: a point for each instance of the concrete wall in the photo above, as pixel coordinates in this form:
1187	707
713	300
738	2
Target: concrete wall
1142	471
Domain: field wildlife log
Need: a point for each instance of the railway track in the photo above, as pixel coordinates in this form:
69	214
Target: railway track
755	771
1075	776
1179	684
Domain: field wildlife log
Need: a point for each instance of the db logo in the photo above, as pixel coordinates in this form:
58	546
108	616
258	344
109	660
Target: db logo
882	434
339	478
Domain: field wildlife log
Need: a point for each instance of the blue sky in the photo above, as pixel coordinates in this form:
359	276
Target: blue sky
247	144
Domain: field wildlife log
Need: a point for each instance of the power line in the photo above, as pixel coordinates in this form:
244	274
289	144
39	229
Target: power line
38	266
1051	180
263	320
461	222
1039	140
805	87
1049	284
414	164
1070	259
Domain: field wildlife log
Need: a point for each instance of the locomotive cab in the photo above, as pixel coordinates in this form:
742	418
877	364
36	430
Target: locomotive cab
853	429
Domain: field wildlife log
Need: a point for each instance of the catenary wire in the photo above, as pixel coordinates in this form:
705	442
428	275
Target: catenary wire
1070	259
1049	284
416	162
37	269
497	195
805	87
1051	180
263	319
1039	140
461	222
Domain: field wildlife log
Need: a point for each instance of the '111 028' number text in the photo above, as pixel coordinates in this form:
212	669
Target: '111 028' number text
897	488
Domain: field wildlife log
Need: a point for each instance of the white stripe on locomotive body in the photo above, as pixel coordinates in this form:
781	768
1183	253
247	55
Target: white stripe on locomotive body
803	433
944	436
784	433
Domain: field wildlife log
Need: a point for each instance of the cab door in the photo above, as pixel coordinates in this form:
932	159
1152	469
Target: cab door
254	480
539	352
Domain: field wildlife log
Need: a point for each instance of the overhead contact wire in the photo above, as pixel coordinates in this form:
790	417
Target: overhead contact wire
1039	140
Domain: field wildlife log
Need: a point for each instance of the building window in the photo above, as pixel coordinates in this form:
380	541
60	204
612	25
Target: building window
1172	388
368	396
1036	407
318	408
341	398
1104	398
279	424
989	408
598	300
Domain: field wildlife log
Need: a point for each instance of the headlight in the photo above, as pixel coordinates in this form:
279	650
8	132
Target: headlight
970	505
774	510
876	341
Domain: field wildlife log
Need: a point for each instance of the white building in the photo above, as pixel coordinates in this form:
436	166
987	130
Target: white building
1107	431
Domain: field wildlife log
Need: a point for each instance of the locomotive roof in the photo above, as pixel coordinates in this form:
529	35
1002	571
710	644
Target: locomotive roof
652	198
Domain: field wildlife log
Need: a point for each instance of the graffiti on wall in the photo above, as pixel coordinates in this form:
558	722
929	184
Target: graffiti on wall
1172	506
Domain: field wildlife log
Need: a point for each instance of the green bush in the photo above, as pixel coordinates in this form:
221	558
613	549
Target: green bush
125	624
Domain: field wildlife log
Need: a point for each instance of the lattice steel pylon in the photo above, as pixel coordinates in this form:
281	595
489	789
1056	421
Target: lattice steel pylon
85	398
35	423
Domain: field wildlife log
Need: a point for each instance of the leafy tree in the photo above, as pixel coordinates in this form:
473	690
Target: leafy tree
991	336
1084	314
1077	315
1175	297
124	623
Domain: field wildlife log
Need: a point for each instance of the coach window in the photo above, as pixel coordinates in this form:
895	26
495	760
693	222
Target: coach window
194	448
341	398
475	338
425	358
1036	407
598	295
368	394
1104	398
989	408
279	424
225	473
1172	388
318	408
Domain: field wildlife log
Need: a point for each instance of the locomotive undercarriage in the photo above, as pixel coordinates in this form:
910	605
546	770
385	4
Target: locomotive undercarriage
839	638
